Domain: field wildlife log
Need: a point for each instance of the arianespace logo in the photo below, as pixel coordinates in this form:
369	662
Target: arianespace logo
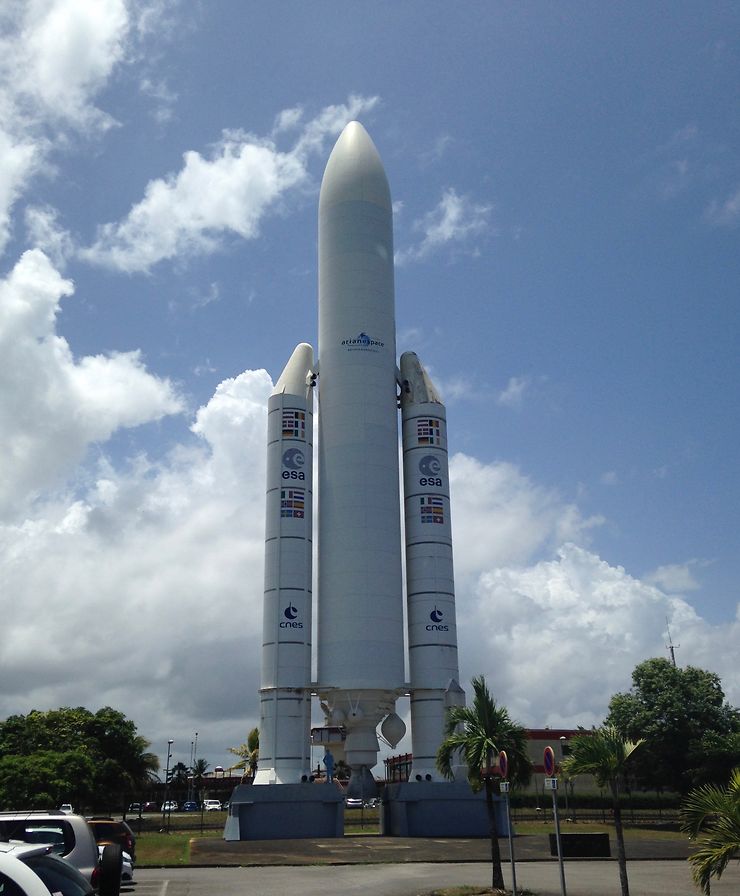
293	459
435	626
291	616
363	343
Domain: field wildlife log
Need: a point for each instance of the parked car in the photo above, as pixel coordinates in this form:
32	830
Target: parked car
70	836
134	808
189	806
106	830
212	805
127	867
170	806
150	807
67	809
34	871
353	803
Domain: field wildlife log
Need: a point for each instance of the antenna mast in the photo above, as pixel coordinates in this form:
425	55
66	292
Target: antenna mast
670	645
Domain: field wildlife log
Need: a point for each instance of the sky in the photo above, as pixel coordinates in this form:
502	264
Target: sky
566	188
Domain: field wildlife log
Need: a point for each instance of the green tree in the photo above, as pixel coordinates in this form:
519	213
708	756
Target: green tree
248	754
604	753
711	814
102	748
478	734
179	774
692	735
45	778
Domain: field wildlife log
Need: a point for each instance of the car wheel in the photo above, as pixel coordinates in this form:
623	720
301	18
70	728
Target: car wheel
110	870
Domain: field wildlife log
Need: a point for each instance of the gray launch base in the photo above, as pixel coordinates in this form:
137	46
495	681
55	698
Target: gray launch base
438	809
285	812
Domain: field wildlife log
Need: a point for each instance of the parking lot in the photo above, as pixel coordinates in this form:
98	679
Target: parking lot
591	878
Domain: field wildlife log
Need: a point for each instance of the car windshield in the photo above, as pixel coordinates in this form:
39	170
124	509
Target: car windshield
59	876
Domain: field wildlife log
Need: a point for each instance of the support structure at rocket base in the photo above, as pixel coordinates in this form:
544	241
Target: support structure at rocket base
360	640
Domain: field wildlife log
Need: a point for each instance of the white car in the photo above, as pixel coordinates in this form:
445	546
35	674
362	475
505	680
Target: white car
67	809
32	871
127	868
212	805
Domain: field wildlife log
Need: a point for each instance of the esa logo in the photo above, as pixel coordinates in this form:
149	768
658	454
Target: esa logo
294	460
430	468
290	613
436	616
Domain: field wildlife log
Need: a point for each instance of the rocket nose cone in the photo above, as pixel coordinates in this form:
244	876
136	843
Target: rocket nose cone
354	170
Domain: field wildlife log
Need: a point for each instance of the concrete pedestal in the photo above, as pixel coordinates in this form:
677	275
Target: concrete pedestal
435	809
285	812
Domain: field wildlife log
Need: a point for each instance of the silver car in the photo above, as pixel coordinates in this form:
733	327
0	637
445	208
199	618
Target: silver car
70	836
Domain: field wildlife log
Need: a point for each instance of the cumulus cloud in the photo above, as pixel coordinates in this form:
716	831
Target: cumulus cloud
55	57
560	637
151	573
152	576
675	578
53	405
65	52
228	191
453	223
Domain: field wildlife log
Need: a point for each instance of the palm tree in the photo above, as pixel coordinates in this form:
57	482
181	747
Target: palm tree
248	754
603	753
713	812
200	767
478	734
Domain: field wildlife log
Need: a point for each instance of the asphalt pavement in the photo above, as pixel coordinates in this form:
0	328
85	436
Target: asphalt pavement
355	850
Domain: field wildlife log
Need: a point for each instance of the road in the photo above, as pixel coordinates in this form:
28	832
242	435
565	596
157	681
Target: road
592	878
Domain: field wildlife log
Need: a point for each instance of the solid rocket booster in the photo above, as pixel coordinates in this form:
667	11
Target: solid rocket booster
285	693
360	617
430	584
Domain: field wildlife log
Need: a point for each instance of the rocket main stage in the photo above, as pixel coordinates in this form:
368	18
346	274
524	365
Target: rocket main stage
360	638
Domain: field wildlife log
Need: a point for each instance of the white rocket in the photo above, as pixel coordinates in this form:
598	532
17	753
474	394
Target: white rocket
360	642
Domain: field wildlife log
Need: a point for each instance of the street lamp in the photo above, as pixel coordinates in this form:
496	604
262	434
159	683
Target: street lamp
166	806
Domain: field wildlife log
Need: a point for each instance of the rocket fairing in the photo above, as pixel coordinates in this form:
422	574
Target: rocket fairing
360	643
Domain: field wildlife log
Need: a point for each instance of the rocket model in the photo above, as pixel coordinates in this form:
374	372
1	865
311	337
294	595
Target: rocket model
360	638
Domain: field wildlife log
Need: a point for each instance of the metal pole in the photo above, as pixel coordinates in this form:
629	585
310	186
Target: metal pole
505	790
165	806
557	834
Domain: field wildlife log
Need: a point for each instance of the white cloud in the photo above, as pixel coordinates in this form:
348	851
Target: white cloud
53	406
724	213
152	575
559	638
55	58
513	394
229	191
500	516
453	222
66	52
44	232
675	578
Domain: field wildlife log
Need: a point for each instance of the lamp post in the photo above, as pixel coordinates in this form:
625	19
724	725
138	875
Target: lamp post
166	806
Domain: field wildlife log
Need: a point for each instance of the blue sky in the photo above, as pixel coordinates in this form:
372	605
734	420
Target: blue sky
566	181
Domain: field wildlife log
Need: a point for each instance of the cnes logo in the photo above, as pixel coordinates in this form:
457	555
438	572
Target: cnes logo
291	615
436	617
